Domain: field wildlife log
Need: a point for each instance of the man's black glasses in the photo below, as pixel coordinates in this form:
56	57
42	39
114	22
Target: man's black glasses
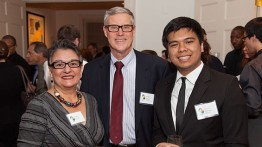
115	28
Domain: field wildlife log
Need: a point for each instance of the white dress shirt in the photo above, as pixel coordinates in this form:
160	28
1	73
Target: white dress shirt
190	83
129	76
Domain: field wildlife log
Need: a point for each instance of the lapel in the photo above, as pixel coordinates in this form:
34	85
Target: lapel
198	91
141	71
104	71
168	86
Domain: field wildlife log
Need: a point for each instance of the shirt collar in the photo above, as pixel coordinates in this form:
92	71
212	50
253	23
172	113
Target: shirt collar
192	76
125	60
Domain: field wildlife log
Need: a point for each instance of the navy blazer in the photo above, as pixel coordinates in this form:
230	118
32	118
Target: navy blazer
229	128
149	70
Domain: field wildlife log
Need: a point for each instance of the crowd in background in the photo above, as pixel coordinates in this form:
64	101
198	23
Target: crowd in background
114	95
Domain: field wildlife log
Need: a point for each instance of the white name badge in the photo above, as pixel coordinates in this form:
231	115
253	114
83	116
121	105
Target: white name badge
146	98
206	110
75	118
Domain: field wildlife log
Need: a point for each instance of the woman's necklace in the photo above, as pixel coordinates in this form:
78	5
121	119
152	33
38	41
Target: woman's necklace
69	104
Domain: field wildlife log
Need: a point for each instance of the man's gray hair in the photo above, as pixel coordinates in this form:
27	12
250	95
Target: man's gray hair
118	10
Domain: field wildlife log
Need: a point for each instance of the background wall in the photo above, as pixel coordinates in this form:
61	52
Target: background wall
12	21
50	24
80	18
151	18
217	16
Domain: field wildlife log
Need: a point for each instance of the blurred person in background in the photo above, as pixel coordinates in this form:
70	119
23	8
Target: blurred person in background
251	81
11	109
248	55
14	57
150	52
37	54
210	60
234	58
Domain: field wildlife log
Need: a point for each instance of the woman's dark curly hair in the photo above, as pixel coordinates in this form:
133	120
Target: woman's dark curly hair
63	44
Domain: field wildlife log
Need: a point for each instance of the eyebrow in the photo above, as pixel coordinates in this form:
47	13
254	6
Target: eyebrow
183	40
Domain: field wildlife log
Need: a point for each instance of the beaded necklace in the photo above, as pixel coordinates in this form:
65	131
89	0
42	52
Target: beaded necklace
69	104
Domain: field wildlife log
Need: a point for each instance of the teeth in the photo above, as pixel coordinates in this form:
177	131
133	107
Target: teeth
68	77
120	40
184	58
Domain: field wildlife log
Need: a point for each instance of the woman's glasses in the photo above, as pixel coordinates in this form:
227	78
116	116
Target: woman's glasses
60	64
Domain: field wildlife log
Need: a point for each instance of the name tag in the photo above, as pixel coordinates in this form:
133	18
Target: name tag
75	118
146	98
206	110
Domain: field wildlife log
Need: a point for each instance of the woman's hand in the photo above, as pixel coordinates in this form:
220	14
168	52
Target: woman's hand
30	87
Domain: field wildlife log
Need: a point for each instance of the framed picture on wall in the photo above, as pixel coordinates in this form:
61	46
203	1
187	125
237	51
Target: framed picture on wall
35	27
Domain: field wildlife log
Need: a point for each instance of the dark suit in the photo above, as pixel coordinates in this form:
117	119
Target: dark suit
149	70
227	129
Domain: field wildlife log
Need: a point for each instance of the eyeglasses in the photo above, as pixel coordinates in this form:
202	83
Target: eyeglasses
60	64
115	28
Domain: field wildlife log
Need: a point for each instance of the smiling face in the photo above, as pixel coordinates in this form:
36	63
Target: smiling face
184	50
67	77
120	42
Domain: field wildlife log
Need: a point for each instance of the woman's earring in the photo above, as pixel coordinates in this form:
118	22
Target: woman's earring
51	77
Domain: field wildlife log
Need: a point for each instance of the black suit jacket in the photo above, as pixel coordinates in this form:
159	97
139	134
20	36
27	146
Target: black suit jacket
227	129
149	70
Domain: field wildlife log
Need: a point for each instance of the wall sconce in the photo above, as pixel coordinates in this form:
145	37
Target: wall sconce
258	3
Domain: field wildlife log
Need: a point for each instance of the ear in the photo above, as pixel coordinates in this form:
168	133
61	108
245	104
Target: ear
202	46
105	31
76	41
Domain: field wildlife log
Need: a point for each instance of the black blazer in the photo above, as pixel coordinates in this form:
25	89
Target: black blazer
149	70
227	129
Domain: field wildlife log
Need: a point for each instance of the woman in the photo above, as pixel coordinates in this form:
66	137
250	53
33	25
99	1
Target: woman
62	116
210	60
11	86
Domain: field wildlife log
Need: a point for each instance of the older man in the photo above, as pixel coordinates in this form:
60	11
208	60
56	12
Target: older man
37	55
123	83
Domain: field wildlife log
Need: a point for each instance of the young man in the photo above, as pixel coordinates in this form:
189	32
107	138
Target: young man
137	78
251	80
234	58
209	108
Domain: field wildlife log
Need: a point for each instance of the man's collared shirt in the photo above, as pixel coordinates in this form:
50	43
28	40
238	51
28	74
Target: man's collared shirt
190	83
129	76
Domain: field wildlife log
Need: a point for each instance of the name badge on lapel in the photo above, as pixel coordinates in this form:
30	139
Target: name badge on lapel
206	110
146	98
75	118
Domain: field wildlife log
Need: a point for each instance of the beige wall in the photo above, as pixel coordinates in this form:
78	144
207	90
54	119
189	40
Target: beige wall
50	24
151	18
79	18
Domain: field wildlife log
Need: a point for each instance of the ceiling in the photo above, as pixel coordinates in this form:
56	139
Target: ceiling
73	4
